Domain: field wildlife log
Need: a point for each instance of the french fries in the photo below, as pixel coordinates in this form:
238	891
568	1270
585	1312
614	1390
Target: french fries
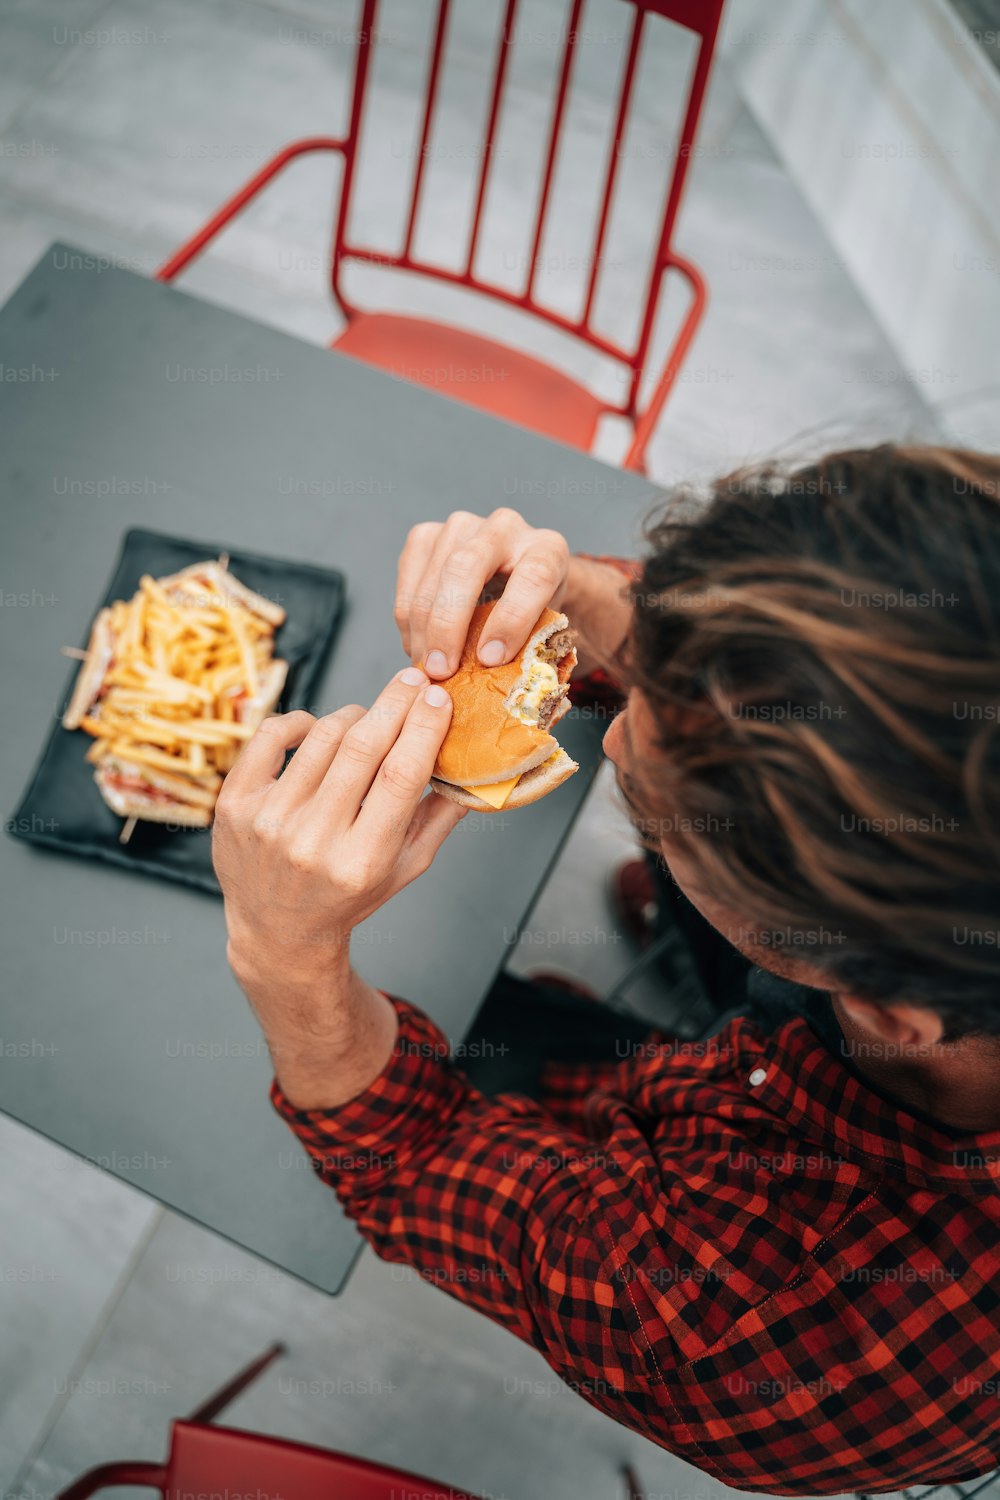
173	683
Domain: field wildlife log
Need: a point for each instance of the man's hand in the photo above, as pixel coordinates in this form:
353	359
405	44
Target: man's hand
306	853
444	568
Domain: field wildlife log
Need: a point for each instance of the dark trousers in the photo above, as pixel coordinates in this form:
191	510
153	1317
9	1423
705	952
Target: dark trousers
522	1025
720	970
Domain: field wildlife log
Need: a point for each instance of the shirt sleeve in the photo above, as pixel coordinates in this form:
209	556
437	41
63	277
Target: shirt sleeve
490	1199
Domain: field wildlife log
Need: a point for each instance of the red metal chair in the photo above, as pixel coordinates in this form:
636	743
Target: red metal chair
523	389
207	1460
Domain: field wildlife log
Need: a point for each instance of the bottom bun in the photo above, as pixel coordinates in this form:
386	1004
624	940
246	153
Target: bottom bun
532	786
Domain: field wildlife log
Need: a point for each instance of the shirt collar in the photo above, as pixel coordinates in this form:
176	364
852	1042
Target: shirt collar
809	1086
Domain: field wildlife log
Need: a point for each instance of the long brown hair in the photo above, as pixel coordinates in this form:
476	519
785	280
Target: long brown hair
821	650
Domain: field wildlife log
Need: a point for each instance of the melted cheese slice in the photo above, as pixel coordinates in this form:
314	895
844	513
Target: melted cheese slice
496	793
542	679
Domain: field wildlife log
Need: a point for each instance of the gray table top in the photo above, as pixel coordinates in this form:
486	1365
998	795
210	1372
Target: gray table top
125	402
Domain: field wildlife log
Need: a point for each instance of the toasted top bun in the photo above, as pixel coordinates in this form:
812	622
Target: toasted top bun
485	742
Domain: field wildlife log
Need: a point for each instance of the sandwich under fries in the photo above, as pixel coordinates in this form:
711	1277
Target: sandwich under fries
172	683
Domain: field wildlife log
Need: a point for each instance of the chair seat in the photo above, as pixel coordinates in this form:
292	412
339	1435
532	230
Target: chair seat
209	1460
475	370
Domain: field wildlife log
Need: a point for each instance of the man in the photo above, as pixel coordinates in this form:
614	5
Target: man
776	1253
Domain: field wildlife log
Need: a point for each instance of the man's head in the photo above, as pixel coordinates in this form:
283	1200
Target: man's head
813	734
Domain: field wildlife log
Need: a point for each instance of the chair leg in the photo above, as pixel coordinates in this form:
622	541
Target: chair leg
631	1478
210	1409
148	1476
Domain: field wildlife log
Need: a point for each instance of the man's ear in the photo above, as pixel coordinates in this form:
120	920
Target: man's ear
903	1025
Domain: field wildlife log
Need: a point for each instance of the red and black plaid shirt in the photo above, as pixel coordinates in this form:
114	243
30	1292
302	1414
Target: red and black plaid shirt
734	1247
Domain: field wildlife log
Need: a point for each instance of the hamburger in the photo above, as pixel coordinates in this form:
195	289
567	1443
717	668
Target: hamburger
499	752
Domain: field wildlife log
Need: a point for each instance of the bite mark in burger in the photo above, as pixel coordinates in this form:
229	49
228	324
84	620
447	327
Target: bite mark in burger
498	752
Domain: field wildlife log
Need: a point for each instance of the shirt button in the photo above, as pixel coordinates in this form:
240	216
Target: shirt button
757	1077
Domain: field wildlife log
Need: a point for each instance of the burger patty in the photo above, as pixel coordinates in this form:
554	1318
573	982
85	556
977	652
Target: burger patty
556	647
557	651
547	708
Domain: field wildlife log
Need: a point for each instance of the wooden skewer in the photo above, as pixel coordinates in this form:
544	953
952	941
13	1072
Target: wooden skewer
76	653
127	830
224	561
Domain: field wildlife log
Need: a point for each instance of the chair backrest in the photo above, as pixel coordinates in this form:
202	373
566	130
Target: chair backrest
207	1460
700	17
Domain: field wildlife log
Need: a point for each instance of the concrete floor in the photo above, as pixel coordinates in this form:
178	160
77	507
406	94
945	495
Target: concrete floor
121	126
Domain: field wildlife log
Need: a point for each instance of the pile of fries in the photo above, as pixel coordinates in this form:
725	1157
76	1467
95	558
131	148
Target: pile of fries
172	684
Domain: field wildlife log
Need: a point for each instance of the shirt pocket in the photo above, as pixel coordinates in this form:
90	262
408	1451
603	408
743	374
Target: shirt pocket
664	1300
684	1307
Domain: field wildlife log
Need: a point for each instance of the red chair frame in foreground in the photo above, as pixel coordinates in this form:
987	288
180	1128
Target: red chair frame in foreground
207	1460
537	395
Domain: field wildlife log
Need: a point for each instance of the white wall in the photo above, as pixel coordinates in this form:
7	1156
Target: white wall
888	116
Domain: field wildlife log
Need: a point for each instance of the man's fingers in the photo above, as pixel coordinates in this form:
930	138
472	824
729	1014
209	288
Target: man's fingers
313	758
464	574
364	747
442	574
459	527
403	777
432	822
534	581
464	562
263	756
413	561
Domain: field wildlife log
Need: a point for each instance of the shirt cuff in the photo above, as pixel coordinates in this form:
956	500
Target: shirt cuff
370	1136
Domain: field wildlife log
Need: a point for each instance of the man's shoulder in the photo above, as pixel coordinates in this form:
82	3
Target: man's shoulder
787	1262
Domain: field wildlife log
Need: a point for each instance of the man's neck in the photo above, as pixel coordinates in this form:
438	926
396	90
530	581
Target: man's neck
956	1083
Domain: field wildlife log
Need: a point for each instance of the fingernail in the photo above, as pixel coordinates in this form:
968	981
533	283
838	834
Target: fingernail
492	654
437	664
436	696
413	677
